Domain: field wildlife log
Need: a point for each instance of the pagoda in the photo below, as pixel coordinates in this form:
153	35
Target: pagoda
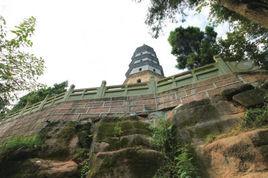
143	66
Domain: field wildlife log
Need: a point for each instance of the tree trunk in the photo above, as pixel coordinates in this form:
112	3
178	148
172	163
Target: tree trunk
254	10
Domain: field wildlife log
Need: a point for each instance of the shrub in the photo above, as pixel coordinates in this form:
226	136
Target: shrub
180	159
210	137
161	134
255	117
186	165
118	130
84	169
17	142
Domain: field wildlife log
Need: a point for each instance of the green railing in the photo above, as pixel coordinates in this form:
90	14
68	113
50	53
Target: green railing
152	87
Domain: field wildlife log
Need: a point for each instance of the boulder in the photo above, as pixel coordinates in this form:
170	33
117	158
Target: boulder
123	148
229	93
198	120
56	169
194	112
240	156
250	98
128	162
38	167
265	85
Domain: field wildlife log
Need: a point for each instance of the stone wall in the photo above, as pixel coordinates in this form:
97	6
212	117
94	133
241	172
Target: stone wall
120	106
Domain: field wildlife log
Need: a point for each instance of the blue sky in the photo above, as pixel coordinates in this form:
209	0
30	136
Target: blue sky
86	42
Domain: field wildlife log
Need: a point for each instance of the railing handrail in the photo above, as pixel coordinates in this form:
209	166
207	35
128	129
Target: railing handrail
104	91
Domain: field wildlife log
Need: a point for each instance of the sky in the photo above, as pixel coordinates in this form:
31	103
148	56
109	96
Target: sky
85	41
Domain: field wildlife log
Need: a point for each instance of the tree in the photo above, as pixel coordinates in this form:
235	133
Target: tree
193	47
40	94
253	10
235	10
237	47
247	17
19	68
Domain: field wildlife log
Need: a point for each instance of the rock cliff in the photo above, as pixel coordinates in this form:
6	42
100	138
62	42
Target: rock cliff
124	147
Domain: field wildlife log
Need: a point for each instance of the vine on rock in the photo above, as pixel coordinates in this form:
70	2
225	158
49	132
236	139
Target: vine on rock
180	159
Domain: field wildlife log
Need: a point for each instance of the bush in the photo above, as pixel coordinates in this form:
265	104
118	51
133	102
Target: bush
255	117
161	134
210	137
84	169
180	159
17	142
186	165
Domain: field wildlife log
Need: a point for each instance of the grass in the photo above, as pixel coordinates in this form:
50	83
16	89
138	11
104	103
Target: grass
180	159
17	142
210	138
255	117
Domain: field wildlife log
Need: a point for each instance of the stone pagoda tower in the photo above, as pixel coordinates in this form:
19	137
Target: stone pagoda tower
144	65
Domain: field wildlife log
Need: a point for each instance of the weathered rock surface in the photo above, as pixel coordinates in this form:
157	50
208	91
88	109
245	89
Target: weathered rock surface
123	149
265	85
243	155
54	158
53	169
229	93
198	119
250	98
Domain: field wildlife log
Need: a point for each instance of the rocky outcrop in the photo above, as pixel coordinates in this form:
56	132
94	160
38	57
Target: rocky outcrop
122	148
56	156
47	168
199	119
244	155
250	98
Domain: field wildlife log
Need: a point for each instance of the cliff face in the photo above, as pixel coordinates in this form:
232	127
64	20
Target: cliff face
124	146
217	128
243	155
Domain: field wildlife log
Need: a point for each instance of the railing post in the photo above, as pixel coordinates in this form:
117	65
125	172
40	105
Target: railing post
174	85
68	92
222	66
194	75
101	89
125	92
42	104
53	101
23	109
83	94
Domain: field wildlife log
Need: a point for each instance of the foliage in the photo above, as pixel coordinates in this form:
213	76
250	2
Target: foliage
17	142
118	130
240	45
185	163
252	36
19	68
3	109
180	160
159	11
40	94
84	169
67	132
193	47
161	131
210	137
255	117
